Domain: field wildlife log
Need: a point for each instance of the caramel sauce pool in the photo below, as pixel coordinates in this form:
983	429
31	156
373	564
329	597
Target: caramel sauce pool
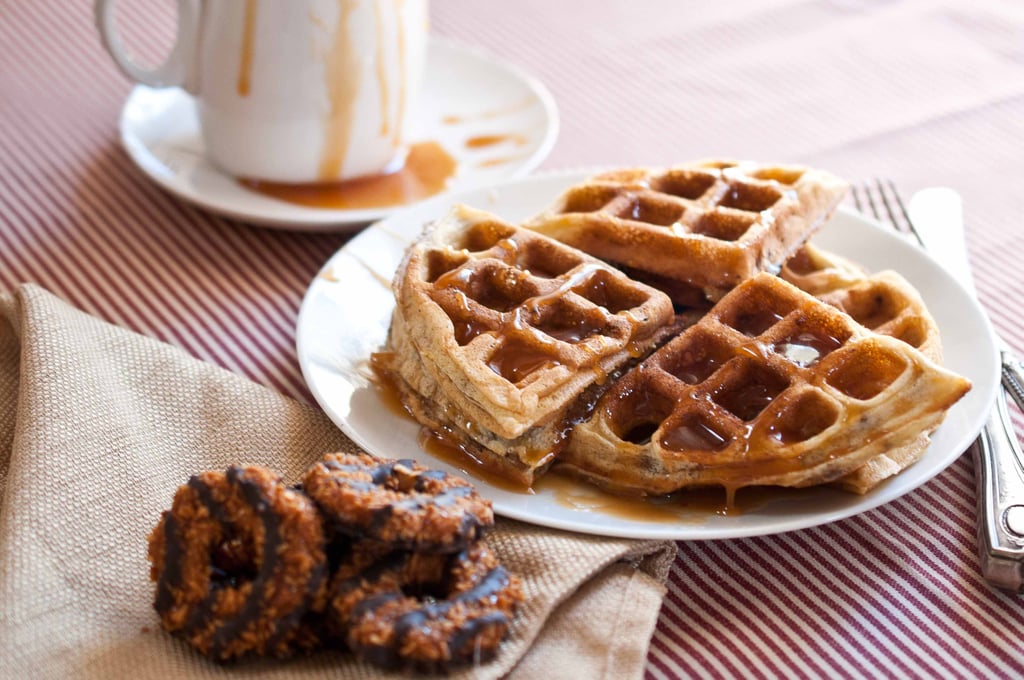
426	172
692	507
443	449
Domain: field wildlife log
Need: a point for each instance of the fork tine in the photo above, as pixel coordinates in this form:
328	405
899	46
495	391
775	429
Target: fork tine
857	202
903	211
888	206
872	204
882	194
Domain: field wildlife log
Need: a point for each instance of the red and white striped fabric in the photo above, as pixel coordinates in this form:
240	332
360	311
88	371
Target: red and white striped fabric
921	91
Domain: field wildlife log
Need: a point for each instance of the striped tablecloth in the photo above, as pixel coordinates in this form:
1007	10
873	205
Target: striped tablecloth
923	91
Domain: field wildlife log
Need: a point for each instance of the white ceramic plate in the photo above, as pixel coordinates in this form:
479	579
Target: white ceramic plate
466	94
345	315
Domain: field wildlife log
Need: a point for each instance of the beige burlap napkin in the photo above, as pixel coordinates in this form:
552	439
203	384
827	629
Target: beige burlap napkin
98	426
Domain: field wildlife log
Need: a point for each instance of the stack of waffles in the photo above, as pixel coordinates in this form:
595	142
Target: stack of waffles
660	330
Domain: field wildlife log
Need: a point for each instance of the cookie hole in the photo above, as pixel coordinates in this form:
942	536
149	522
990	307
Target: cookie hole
750	197
606	290
698	359
232	562
723	226
684	183
649	211
749	391
694	432
806	417
865	371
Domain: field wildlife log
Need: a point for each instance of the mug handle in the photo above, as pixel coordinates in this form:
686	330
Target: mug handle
177	69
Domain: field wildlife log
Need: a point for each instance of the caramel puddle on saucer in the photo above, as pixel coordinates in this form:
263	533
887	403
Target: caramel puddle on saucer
484	141
515	107
492	162
426	172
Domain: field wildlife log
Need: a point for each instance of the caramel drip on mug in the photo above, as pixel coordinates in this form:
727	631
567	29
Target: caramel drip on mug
248	37
341	75
382	72
399	118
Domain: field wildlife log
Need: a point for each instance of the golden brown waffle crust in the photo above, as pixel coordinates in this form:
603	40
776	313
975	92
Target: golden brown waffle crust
710	224
475	295
866	395
885	303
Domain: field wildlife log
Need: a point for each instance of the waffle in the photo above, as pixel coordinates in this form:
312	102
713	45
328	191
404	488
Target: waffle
500	333
772	387
885	303
697	229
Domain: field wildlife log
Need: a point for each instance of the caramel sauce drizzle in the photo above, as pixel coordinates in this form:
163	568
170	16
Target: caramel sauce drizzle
341	77
244	85
382	72
692	506
400	118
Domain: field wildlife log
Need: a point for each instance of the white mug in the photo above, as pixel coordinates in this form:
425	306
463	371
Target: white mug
293	91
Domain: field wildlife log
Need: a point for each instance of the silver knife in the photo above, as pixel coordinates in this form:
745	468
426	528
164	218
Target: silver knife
937	215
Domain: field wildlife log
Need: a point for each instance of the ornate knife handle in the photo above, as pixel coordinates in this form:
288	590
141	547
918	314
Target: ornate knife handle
1013	377
1000	478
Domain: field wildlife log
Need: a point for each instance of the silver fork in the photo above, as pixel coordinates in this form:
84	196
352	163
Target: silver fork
998	461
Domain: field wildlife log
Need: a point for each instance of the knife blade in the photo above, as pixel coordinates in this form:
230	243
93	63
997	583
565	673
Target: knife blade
937	215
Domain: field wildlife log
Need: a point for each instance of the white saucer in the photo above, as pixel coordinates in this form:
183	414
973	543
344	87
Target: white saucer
466	93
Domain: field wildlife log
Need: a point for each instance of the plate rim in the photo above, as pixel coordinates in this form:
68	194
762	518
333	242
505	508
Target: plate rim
306	219
661	530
